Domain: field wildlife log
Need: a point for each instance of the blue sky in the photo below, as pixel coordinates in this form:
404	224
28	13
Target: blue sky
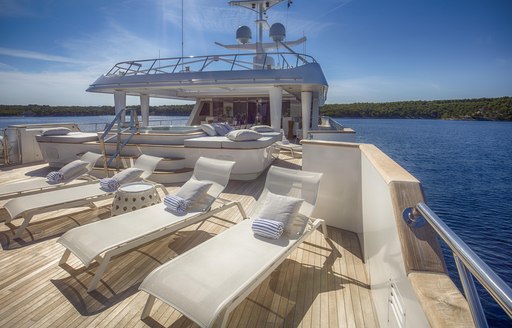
370	50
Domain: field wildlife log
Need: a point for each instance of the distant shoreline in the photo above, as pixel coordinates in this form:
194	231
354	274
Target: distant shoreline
482	109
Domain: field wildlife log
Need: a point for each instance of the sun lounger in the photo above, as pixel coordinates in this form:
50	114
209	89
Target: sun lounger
86	194
104	239
41	184
286	145
209	281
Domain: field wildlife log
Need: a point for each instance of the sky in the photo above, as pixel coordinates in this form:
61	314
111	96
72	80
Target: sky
370	50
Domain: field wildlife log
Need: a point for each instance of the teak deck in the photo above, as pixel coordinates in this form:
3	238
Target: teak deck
321	284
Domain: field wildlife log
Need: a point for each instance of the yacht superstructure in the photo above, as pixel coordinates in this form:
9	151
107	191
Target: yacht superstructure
257	86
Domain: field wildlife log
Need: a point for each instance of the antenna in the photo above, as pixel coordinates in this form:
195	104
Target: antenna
182	42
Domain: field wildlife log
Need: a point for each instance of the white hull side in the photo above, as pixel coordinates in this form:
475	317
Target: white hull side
361	203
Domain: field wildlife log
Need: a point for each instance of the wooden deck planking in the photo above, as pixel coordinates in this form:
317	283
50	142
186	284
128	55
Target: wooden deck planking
322	283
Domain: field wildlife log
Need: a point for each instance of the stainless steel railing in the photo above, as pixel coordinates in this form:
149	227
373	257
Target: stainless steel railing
226	62
468	264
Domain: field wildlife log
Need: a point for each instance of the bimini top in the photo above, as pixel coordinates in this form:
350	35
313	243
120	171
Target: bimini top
191	78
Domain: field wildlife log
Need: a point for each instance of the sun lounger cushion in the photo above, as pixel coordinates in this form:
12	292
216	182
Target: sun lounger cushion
221	129
267	228
218	142
195	193
262	128
128	175
279	208
74	169
176	204
205	142
243	135
275	136
55	131
209	129
282	209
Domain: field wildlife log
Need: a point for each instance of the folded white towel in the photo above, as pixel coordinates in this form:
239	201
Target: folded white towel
176	204
109	184
267	228
55	177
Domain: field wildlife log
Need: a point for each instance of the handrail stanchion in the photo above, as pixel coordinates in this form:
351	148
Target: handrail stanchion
468	284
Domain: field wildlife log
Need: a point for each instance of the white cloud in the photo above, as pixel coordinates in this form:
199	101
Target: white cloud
6	67
49	88
19	53
109	46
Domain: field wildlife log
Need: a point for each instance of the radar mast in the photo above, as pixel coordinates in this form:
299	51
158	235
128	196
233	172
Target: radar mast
277	30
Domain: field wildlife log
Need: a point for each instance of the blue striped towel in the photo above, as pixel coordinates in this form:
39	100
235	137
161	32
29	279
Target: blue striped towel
176	204
109	184
267	228
55	177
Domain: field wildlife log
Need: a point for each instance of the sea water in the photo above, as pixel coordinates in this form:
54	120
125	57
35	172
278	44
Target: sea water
85	122
465	168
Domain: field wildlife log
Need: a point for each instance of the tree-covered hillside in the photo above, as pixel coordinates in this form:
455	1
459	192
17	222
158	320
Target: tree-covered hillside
478	109
45	110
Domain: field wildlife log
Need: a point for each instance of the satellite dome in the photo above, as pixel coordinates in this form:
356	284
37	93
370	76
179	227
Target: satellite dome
277	32
243	34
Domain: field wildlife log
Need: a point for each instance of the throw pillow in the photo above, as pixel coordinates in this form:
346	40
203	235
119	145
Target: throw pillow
243	135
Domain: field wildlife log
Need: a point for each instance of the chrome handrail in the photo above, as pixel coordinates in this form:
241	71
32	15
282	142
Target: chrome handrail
232	62
465	260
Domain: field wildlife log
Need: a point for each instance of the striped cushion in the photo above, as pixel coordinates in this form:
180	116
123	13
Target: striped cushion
109	184
267	228
55	177
176	204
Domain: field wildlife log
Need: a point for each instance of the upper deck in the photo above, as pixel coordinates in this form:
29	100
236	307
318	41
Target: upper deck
215	75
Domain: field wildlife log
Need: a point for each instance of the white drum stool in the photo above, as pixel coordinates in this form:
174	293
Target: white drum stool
134	196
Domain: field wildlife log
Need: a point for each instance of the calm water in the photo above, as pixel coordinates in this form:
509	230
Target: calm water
465	169
83	121
466	172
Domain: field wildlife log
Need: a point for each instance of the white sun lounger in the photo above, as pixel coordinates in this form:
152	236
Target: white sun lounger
41	184
125	232
209	281
81	195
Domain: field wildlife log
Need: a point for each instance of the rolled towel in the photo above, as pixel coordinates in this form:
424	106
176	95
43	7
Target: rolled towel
267	228
176	204
109	184
55	177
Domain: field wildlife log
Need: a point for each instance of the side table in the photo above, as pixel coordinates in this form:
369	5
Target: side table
134	196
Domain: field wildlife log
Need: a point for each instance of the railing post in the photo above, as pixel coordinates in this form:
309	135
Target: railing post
234	60
204	64
468	284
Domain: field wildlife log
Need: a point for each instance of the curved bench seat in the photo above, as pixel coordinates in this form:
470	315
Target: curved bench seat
71	137
223	142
